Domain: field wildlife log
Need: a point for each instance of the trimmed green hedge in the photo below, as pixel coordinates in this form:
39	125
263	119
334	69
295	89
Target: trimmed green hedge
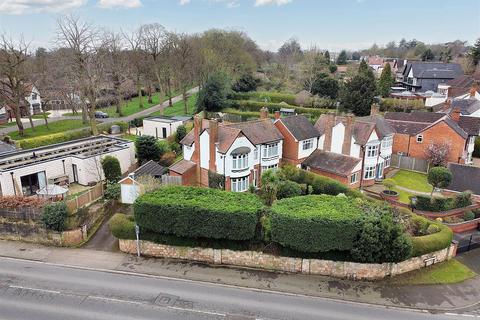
199	213
432	242
315	223
255	106
438	204
275	97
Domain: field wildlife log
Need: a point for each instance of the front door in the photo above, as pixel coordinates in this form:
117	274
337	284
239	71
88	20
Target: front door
379	174
164	132
75	173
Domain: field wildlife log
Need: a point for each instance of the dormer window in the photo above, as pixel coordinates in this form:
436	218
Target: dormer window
419	138
307	144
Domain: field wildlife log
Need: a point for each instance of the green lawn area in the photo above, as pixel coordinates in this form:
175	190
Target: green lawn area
8	124
412	180
178	108
404	196
54	127
451	271
130	137
40	116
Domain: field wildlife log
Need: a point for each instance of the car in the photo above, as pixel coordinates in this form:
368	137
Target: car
101	114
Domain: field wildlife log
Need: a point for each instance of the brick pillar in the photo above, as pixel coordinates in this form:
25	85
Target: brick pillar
197	130
347	137
374	109
213	138
330	123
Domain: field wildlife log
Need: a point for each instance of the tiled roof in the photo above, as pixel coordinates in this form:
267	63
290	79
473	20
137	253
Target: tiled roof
332	162
424	117
437	70
300	127
150	168
258	131
182	166
470	125
467	106
464	178
362	132
382	127
455	126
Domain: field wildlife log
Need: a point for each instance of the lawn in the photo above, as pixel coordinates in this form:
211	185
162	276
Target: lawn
415	181
53	127
451	271
403	195
178	108
130	137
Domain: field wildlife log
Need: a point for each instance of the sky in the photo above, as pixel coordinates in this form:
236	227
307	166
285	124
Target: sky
327	24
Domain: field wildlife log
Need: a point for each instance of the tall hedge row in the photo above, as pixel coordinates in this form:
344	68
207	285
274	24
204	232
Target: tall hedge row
431	242
251	105
315	223
199	213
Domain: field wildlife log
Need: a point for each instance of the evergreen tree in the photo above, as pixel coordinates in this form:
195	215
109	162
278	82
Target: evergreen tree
147	149
428	55
342	58
358	93
325	86
474	53
245	83
386	81
327	56
213	96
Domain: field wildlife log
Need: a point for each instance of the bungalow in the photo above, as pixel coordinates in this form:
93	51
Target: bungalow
23	172
414	132
162	127
355	151
232	156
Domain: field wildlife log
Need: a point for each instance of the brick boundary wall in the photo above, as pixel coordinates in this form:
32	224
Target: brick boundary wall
259	260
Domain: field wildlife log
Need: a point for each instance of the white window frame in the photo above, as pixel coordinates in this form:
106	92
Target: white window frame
388	160
372	151
270	150
307	144
354	178
419	138
239	184
369	173
270	167
255	154
387	142
240	162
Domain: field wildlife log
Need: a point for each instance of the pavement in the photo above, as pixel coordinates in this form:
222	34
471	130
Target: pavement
462	298
142	113
32	290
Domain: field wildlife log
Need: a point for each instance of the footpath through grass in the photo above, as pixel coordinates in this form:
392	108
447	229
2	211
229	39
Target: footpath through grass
415	181
448	272
53	127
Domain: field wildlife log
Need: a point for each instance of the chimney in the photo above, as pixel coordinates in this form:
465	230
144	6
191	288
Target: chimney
449	92
264	113
347	137
330	123
374	109
277	115
455	114
213	139
473	90
197	129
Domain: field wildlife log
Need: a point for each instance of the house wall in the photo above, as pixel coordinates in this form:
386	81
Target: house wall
338	133
290	144
339	178
204	149
302	154
154	128
188	152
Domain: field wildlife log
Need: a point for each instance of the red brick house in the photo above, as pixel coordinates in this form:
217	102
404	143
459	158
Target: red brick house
414	132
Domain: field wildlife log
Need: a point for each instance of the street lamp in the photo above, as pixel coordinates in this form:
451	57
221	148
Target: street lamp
137	233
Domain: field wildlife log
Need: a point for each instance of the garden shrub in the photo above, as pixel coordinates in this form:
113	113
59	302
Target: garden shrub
315	223
112	191
180	133
288	189
168	159
381	239
53	138
433	228
249	105
463	199
468	215
147	148
199	213
430	242
122	226
438	204
215	180
54	216
111	168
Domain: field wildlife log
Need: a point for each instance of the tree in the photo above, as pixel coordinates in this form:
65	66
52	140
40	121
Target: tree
428	55
288	189
358	93
289	54
182	56
386	81
437	153
269	186
111	169
326	54
325	86
147	149
474	53
181	133
356	55
381	239
389	184
245	83
342	58
137	58
213	95
439	177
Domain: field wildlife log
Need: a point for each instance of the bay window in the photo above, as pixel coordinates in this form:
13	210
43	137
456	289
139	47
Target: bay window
270	150
240	184
240	161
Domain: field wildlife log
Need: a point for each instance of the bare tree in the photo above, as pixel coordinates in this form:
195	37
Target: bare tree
81	38
13	77
136	58
183	60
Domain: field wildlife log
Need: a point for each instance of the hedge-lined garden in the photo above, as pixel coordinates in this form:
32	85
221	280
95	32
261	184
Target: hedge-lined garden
438	204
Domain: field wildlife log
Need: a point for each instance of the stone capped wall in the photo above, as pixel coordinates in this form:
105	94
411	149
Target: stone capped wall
260	260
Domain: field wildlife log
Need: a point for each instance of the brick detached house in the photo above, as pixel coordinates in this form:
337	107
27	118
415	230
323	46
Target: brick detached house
414	132
352	151
238	151
300	138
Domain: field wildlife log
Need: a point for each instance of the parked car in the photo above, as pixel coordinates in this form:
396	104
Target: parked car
101	114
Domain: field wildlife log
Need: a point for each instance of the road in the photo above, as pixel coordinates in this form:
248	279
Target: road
35	290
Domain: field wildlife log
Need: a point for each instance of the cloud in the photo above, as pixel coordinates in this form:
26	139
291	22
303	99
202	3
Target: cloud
259	3
184	2
107	4
35	6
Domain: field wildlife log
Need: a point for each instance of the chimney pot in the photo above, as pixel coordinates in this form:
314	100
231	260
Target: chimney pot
374	109
277	115
455	115
264	113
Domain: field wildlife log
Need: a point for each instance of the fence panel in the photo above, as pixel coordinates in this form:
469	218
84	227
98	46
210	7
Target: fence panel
171	180
409	163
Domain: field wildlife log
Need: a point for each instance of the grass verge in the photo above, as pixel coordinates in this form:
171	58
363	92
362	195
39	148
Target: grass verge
53	127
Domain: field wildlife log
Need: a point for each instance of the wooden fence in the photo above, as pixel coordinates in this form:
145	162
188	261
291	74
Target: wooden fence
85	198
171	180
409	163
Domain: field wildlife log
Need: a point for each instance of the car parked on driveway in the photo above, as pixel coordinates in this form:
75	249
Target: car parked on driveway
101	114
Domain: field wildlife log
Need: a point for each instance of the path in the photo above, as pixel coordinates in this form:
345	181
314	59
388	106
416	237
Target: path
440	298
142	113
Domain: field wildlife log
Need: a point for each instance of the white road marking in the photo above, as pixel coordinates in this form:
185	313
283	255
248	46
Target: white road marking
35	289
